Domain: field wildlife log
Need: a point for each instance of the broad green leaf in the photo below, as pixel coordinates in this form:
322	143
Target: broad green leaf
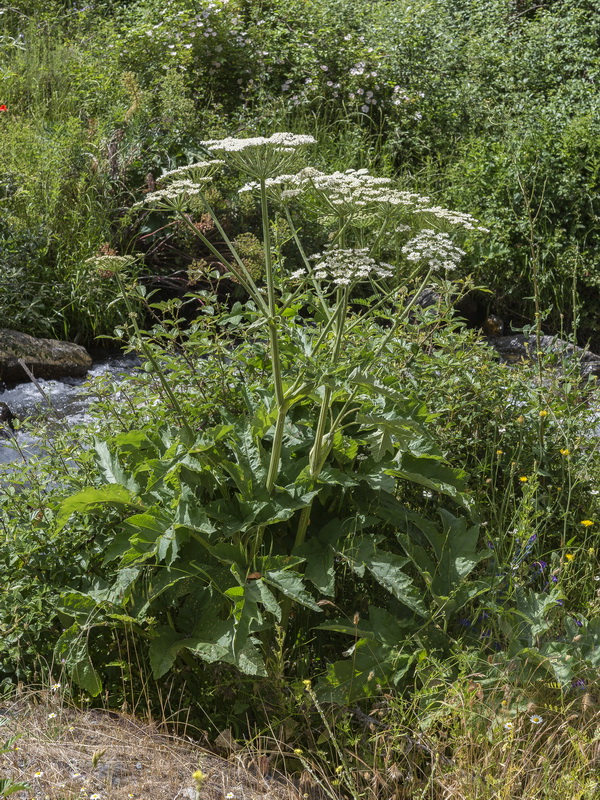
78	605
291	584
93	499
319	568
363	673
8	787
109	465
72	646
535	607
387	569
431	473
190	512
163	650
259	592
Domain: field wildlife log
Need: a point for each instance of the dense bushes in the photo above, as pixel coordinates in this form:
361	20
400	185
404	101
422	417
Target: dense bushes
489	107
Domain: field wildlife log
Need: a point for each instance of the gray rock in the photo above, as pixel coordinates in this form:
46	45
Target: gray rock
520	347
46	358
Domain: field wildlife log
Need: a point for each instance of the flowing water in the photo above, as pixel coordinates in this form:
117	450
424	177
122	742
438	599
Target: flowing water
66	401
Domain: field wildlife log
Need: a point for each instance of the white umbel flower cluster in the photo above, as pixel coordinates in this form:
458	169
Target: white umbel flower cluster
108	265
261	157
175	192
282	142
355	190
200	169
357	193
180	185
435	249
346	266
457	218
345	192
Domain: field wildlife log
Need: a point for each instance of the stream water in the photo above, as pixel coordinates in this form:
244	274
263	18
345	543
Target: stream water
69	398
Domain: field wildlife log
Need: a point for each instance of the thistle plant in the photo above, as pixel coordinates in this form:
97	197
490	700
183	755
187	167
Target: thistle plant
269	498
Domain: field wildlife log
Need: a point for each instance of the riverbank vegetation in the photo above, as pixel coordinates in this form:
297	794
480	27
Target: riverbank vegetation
323	514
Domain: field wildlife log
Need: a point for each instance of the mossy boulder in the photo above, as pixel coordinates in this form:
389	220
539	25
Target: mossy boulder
46	358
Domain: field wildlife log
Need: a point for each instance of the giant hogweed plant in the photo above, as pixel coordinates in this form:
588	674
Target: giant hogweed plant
244	534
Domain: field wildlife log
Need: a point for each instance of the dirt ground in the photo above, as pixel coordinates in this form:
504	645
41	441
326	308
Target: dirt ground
64	754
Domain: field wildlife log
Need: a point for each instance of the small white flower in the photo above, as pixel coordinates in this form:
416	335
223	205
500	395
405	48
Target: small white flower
285	140
51	716
347	266
536	719
509	725
298	274
436	250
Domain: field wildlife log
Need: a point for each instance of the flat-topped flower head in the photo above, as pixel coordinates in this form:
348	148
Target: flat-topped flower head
279	141
176	195
179	186
195	172
347	266
354	192
261	157
436	250
455	218
107	266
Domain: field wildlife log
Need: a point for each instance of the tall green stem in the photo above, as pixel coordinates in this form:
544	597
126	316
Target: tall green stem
274	343
150	356
319	452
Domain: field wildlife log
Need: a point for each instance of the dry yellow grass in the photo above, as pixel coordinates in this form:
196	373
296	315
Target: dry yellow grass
63	754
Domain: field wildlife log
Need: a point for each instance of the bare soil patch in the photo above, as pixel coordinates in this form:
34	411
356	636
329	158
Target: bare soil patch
64	754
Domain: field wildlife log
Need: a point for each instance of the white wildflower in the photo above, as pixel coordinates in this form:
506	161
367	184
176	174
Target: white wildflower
261	157
457	218
437	250
298	274
197	170
175	192
107	266
345	266
283	140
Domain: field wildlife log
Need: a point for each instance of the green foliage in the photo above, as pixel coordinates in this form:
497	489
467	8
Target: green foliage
200	560
485	107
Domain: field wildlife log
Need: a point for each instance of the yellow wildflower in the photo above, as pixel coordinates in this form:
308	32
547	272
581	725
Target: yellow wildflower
564	451
499	452
569	556
523	479
198	777
587	522
543	413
